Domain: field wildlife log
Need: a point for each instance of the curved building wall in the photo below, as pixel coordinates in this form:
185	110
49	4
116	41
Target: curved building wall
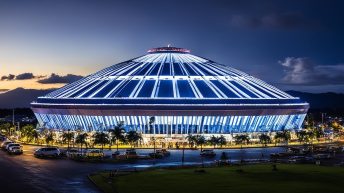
175	124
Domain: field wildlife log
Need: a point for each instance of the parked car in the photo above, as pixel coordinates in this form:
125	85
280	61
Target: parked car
10	145
73	153
164	152
159	153
115	154
15	150
131	154
208	153
301	159
322	156
94	153
4	144
47	152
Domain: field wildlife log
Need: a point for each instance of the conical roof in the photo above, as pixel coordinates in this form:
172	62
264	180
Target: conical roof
168	73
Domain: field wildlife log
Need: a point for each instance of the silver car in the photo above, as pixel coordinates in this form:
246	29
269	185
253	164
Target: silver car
47	152
15	150
11	145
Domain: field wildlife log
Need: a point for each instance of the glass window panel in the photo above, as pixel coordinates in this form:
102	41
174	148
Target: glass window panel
147	89
185	89
155	70
177	70
94	89
204	70
107	88
144	69
84	89
243	89
165	88
165	69
191	72
127	89
204	89
224	89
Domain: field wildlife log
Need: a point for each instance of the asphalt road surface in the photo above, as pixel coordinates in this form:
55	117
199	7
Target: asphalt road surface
27	174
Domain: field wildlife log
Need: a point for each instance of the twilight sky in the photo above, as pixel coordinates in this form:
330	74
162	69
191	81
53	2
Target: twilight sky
294	45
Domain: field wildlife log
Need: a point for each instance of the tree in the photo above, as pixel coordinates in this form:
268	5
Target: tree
49	137
67	137
117	134
337	129
26	132
34	135
242	139
318	132
200	140
191	140
222	140
133	137
264	139
5	128
213	141
303	136
81	139
101	138
282	136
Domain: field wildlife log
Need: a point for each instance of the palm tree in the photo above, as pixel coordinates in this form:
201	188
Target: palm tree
213	141
133	137
264	139
200	140
26	130
34	135
282	136
191	140
117	134
222	141
67	137
81	139
49	137
242	139
101	138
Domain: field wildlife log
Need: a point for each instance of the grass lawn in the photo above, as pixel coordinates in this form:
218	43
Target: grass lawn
253	179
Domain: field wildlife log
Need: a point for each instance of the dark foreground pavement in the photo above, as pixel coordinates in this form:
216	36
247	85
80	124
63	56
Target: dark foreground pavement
26	174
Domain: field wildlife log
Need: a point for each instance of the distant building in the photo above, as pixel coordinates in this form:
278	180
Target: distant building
170	93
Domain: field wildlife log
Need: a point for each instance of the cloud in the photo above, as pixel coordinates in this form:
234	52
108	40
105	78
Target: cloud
279	21
25	76
303	71
54	79
9	77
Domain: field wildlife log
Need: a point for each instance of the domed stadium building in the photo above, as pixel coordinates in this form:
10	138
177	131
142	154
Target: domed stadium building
170	93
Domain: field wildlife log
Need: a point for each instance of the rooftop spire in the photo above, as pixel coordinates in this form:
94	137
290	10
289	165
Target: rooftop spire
168	49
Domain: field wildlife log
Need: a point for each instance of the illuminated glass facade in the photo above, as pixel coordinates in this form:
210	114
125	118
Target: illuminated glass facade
185	94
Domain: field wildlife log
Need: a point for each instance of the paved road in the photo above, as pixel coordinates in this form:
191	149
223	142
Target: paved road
27	174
